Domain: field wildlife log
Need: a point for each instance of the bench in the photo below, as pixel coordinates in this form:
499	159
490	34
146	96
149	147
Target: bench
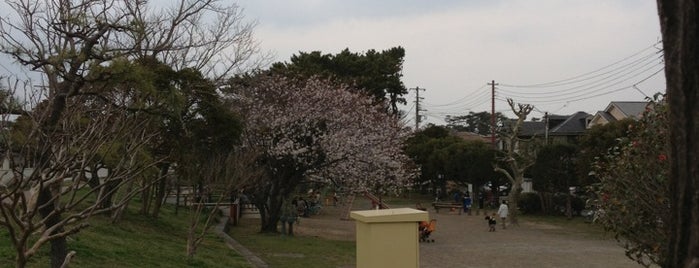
450	205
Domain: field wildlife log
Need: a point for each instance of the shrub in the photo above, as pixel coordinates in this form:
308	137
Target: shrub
633	191
529	203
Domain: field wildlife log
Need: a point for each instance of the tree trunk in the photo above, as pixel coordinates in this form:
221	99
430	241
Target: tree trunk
59	246
94	180
145	199
109	191
20	259
679	23
291	228
45	202
162	188
270	200
119	211
542	200
177	196
272	210
474	202
513	205
569	207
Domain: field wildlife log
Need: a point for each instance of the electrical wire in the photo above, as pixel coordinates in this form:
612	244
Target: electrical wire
589	93
603	83
458	101
619	75
609	79
557	82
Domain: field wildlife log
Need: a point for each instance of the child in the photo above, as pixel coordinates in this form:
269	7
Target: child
491	222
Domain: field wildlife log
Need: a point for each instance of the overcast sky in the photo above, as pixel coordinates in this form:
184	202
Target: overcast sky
453	48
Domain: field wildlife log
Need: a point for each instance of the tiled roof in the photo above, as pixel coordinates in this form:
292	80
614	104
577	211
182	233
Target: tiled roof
575	124
470	136
632	109
532	128
558	125
606	116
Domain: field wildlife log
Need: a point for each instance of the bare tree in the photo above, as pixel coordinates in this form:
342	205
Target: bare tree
46	203
224	174
517	157
679	21
66	41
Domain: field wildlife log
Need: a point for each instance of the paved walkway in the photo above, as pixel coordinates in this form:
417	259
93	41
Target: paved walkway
221	231
463	241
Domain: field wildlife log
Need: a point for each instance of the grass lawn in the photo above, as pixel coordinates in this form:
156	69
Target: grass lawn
298	251
576	225
136	241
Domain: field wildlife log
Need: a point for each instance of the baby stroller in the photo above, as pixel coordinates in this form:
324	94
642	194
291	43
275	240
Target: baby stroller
425	229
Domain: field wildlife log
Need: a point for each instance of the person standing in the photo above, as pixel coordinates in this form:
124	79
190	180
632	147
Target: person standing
467	203
502	212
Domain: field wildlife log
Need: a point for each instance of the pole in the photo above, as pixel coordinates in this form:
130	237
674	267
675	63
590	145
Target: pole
417	108
546	122
492	113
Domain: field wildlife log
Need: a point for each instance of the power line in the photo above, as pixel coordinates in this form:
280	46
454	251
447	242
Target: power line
458	106
457	101
557	82
461	102
619	76
618	89
582	95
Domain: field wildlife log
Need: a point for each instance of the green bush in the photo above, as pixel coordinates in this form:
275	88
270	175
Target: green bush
529	203
577	204
633	189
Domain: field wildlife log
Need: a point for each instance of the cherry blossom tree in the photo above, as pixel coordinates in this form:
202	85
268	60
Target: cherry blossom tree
318	129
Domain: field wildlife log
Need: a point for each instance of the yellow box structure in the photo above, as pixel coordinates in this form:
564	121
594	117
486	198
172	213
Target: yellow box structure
388	237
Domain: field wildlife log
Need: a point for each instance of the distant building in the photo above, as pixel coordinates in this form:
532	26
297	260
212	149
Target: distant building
470	136
618	110
556	128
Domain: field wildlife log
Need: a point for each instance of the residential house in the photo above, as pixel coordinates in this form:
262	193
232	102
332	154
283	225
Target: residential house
470	136
552	129
556	128
618	110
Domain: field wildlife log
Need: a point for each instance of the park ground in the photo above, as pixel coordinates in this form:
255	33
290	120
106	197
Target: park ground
463	240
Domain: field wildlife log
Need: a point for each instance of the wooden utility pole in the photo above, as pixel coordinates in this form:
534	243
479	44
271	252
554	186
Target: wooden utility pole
546	127
417	107
492	113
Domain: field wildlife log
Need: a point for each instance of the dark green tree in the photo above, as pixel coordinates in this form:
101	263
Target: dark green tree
595	143
470	162
426	148
479	123
633	192
378	73
554	173
442	156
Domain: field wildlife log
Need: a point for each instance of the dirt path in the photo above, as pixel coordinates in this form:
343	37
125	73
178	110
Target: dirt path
463	241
